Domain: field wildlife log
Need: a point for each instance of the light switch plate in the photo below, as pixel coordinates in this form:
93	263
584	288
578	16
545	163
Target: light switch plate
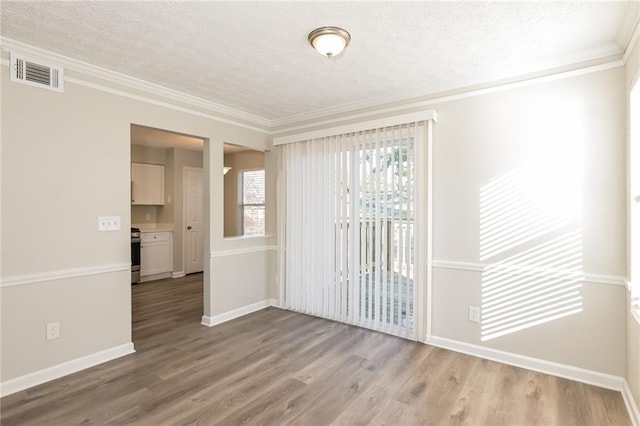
108	223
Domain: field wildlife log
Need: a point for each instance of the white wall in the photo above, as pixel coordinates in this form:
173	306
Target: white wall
633	327
66	160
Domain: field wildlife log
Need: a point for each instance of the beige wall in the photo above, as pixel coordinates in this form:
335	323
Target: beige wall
148	155
165	214
76	162
553	134
480	139
86	133
244	160
633	327
139	214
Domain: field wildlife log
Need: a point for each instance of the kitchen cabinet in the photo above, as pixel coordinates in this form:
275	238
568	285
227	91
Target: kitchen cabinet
156	254
147	184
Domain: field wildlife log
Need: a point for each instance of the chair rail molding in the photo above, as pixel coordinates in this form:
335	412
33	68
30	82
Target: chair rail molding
40	277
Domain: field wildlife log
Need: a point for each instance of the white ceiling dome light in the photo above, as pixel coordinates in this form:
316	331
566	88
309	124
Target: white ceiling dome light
329	41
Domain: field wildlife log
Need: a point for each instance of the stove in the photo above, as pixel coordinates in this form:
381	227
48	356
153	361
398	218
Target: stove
135	255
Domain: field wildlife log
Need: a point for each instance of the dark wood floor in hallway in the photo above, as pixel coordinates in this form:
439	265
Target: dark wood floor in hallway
276	367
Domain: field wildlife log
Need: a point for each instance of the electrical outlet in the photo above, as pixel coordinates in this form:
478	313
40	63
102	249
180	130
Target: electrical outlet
147	216
474	314
53	330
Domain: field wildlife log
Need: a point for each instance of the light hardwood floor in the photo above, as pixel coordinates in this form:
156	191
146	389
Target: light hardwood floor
278	367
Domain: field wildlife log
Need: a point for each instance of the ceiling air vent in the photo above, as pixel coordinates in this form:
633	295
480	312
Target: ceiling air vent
36	73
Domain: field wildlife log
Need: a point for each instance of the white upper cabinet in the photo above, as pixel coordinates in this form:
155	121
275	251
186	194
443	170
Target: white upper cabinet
147	184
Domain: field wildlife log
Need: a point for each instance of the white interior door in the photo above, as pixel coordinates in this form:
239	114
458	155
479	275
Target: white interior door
193	213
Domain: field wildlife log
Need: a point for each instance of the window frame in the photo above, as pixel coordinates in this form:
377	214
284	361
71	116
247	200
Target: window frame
241	205
633	283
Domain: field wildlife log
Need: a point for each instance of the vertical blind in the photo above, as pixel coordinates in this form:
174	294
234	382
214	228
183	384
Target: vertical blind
348	227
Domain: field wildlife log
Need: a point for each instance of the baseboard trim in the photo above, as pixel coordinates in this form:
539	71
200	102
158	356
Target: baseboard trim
51	373
178	274
236	313
274	303
632	408
155	277
577	374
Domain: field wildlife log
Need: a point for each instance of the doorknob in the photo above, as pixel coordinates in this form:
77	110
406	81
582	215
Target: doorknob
189	227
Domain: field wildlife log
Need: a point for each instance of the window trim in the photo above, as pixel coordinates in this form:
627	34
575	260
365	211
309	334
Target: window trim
633	284
241	205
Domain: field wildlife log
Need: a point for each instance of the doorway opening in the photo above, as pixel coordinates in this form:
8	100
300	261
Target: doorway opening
167	211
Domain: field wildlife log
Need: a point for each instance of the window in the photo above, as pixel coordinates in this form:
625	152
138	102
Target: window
251	195
634	193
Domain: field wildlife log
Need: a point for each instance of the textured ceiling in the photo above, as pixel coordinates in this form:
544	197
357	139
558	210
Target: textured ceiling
255	56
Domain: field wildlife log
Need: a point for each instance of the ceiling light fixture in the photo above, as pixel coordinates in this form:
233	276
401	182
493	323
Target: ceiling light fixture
329	41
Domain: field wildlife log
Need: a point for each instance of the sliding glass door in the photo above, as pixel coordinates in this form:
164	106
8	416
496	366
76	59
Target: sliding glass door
350	227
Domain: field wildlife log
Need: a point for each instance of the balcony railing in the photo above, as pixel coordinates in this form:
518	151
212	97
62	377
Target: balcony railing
390	271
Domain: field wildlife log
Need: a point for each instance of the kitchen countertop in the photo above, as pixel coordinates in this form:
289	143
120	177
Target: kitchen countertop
154	227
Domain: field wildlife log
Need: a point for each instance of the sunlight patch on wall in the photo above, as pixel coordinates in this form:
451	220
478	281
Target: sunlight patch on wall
539	285
527	203
531	236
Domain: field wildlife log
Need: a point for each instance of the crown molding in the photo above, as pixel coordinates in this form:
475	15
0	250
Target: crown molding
604	57
154	101
165	104
629	24
375	108
633	39
132	82
608	53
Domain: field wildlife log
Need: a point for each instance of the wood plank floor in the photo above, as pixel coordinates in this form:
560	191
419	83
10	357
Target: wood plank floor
276	367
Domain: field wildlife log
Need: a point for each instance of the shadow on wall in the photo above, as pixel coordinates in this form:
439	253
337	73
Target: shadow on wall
531	237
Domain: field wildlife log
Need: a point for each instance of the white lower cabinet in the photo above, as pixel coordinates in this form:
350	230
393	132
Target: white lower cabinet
156	255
